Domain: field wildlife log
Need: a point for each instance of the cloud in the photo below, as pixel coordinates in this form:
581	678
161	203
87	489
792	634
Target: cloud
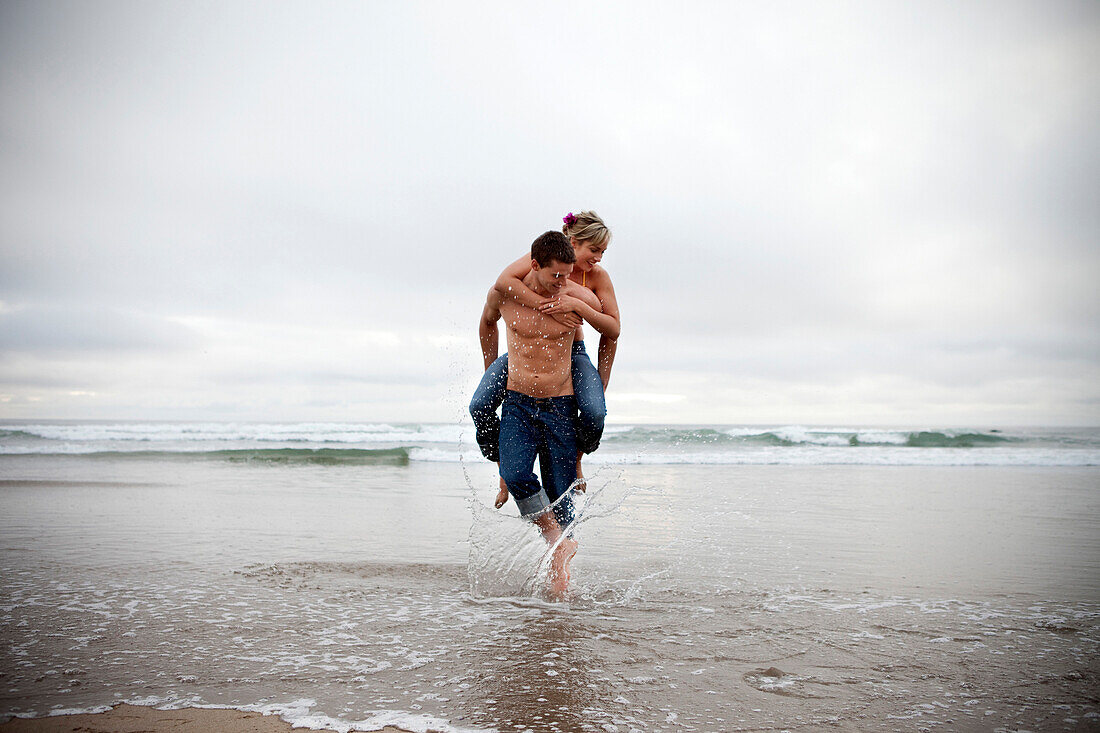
233	207
53	330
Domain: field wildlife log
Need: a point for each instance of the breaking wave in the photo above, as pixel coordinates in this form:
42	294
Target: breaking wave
401	444
794	436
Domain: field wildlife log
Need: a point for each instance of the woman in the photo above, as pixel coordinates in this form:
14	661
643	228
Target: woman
590	238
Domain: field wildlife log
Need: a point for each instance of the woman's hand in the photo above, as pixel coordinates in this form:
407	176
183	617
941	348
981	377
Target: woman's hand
566	318
561	304
563	309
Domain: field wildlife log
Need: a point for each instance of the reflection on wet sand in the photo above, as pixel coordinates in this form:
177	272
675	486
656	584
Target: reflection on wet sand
539	673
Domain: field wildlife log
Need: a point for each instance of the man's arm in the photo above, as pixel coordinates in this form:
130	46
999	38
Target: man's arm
487	327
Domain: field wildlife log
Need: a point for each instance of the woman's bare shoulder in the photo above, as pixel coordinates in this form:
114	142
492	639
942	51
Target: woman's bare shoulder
598	276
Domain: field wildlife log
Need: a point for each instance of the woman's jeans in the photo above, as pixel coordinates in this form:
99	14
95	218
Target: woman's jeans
587	388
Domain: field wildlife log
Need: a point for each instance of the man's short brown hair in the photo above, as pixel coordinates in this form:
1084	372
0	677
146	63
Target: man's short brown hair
552	246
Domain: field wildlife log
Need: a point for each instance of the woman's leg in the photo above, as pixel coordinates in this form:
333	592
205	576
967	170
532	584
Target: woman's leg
483	409
591	407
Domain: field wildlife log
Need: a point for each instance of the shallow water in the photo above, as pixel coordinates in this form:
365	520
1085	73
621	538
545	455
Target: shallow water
704	598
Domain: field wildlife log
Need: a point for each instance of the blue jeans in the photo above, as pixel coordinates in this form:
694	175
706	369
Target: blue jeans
587	388
542	427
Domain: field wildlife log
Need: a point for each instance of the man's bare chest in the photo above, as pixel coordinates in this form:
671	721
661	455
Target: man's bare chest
529	324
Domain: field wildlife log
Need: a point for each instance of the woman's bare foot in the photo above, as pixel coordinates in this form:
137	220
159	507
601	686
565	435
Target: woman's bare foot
502	495
581	483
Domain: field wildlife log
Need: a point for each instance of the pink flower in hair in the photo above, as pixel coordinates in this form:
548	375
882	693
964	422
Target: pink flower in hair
569	219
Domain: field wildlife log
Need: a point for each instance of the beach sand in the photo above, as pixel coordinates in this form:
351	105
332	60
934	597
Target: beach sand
710	598
137	719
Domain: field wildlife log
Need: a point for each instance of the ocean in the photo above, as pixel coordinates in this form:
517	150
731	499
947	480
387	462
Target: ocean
729	578
377	443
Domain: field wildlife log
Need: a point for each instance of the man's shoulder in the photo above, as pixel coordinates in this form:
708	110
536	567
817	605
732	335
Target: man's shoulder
513	308
494	299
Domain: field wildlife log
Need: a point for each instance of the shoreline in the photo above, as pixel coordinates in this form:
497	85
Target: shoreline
129	718
858	598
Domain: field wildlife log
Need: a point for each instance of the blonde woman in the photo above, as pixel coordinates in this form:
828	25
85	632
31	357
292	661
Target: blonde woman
590	238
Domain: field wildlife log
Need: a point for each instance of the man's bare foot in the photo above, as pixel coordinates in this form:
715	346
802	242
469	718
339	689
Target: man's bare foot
502	495
559	567
581	483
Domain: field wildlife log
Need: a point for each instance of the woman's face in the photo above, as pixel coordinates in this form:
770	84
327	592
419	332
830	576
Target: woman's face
589	253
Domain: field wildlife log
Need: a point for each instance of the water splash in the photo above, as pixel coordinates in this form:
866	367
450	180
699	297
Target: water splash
509	558
505	553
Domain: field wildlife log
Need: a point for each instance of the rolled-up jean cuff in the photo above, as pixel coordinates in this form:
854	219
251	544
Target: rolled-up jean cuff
534	505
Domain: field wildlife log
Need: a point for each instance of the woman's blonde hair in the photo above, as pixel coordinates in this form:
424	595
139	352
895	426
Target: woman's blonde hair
586	226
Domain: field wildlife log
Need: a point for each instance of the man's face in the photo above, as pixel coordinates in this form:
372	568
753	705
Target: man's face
554	276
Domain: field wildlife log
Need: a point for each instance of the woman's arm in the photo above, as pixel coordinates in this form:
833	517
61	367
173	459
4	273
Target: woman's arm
605	356
510	285
604	317
574	301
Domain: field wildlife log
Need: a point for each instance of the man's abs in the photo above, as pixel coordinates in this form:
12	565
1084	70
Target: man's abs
539	353
543	370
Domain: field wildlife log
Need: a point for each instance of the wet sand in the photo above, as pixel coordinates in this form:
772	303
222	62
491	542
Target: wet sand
136	719
707	598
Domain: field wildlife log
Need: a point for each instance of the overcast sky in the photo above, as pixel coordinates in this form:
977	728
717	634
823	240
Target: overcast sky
840	213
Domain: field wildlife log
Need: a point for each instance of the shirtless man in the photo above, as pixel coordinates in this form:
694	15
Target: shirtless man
538	409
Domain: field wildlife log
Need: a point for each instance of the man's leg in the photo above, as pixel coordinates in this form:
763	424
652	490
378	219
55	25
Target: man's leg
557	456
518	448
521	436
564	550
557	451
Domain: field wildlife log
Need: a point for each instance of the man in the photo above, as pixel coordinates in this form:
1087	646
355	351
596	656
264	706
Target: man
537	414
